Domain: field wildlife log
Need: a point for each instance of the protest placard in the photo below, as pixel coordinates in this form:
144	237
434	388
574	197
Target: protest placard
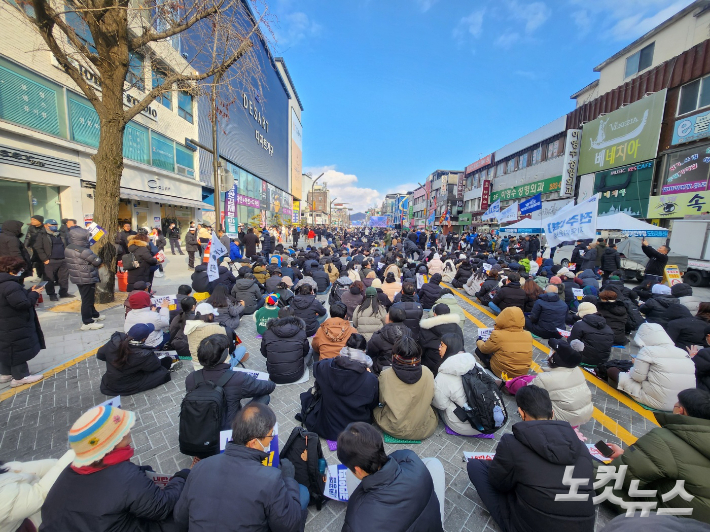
156	301
258	375
115	402
225	436
484	334
578	293
563	333
340	483
477	456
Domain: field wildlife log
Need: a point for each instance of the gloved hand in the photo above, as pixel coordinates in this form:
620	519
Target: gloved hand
287	468
183	473
146	468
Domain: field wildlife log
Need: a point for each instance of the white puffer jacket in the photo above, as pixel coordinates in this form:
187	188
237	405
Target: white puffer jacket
692	303
660	370
24	487
448	391
569	393
449	271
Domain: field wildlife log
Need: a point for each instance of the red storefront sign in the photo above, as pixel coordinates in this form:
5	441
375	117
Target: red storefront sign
486	195
480	163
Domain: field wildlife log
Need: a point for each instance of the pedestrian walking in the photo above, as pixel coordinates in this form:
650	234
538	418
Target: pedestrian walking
174	238
49	247
83	267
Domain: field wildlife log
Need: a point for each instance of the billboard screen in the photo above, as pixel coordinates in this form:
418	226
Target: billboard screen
296	155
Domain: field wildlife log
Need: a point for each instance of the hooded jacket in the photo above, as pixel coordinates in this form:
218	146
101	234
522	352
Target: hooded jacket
197	330
656	308
82	263
569	393
462	276
430	292
331	337
403	488
392	289
450	301
261	273
549	312
141	372
616	315
449	393
309	309
685	330
589	278
677	450
597	337
589	260
248	291
367	322
436	266
348	393
430	333
322	279
160	319
21	336
610	260
529	465
510	295
509	345
145	260
285	346
201	282
660	369
11	245
351	299
488	290
406	411
379	347
413	312
685	296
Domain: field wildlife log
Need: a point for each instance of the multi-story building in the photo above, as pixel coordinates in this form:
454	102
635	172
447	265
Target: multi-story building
319	204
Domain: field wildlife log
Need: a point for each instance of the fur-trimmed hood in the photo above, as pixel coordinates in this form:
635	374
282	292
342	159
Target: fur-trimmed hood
132	241
429	323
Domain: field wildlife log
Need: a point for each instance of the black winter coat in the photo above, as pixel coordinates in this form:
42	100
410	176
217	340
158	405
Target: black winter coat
528	467
510	295
399	497
266	242
247	290
309	309
576	257
121	242
21	336
656	309
611	260
463	274
686	331
11	245
322	280
589	260
432	329
348	393
285	346
428	294
145	260
201	282
549	313
191	242
240	386
597	337
414	312
702	369
120	498
234	491
487	287
379	348
656	260
616	315
81	261
142	371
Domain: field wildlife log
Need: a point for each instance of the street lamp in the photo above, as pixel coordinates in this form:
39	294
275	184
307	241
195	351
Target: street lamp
330	211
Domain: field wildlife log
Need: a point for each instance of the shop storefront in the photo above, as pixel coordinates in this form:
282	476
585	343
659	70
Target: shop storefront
625	189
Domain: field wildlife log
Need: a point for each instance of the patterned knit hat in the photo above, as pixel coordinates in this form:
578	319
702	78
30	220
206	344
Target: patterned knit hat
272	299
97	432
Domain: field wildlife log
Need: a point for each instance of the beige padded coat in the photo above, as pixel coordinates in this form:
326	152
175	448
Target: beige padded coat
570	395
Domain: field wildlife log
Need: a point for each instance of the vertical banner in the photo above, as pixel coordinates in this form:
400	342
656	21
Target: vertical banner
570	164
217	250
461	186
230	212
486	195
296	214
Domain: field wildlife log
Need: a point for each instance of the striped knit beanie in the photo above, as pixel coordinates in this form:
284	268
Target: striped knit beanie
97	432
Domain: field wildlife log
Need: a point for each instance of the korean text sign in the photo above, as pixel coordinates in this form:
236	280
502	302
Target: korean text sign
573	223
679	205
626	136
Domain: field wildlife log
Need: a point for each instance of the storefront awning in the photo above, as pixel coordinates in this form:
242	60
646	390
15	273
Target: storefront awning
140	195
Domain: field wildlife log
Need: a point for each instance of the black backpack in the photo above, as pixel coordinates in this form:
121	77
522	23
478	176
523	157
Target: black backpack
304	451
482	397
201	416
336	291
129	262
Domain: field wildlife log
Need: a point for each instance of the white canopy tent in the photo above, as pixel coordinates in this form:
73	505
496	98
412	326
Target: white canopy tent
619	221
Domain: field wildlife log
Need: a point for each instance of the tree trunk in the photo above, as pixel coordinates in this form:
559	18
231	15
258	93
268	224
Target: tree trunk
109	169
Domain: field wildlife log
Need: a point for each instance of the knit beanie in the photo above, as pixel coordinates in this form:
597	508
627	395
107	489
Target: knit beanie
272	299
661	289
681	290
555	280
39	218
97	432
139	300
586	308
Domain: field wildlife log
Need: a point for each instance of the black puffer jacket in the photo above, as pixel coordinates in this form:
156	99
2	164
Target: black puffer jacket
430	292
11	245
597	337
414	312
322	279
142	371
432	329
685	330
379	348
145	260
621	290
488	287
403	488
191	242
82	263
656	308
285	345
309	309
462	276
510	295
549	312
351	298
610	260
201	282
21	336
616	315
702	369
247	290
528	467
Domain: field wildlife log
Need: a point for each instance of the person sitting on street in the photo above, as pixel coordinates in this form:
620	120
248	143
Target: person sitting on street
463	274
519	486
391	286
204	325
333	333
448	298
131	366
508	350
430	292
322	279
431	332
396	492
229	310
593	331
369	317
247	289
202	284
672	454
684	293
269	311
409	302
701	359
548	315
656	307
233	490
660	370
285	346
349	391
615	314
489	287
509	295
102	489
308	307
683	328
379	348
406	392
178	340
143	311
212	355
353	297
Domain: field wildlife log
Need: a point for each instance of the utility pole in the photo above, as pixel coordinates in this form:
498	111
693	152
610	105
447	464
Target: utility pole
215	154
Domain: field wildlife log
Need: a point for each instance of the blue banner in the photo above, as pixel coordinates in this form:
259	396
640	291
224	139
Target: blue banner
531	204
378	221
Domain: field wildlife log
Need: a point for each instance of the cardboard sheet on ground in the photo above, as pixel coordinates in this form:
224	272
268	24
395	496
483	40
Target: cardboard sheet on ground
258	375
225	436
477	456
340	483
485	334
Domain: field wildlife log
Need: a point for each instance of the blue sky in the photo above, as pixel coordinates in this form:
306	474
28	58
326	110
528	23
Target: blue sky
394	89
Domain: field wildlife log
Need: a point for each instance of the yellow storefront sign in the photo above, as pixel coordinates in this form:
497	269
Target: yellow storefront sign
679	205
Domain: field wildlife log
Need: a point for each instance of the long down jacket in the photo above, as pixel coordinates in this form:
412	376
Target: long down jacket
549	312
430	333
145	260
660	369
82	263
309	309
367	321
379	347
615	314
21	336
510	345
11	245
597	337
569	393
285	346
449	393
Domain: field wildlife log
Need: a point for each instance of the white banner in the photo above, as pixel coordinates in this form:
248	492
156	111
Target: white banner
217	250
510	213
492	211
572	223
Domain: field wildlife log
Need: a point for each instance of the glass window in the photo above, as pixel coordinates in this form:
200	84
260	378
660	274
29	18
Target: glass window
165	98
185	105
28	103
14	201
45	201
185	160
162	152
537	155
510	166
500	169
694	95
523	160
639	61
134	77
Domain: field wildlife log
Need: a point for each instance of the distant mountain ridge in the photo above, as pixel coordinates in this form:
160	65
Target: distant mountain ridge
357	216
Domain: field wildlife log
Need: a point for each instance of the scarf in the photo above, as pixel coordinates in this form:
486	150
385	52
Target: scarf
114	457
408	370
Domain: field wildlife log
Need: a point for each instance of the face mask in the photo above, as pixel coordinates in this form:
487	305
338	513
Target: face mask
18	274
265	449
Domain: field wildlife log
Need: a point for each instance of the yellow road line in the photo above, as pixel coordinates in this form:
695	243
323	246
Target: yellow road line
49	373
616	394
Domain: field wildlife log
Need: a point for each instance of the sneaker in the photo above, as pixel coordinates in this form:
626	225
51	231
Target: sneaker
91	326
5	378
99	318
159	274
67	295
53	297
27	380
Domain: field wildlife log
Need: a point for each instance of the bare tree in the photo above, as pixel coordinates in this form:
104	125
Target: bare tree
101	38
